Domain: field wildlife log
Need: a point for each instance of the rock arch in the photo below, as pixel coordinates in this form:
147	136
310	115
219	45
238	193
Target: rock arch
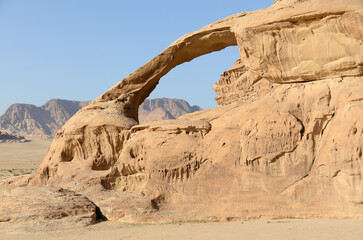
98	132
279	149
137	86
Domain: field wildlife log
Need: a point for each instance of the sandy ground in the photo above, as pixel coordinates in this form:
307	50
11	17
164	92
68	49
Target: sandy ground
24	158
281	230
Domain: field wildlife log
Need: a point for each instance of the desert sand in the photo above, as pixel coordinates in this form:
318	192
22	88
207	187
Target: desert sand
278	229
22	158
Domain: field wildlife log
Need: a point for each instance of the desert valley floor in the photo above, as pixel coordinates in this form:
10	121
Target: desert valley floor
261	230
23	158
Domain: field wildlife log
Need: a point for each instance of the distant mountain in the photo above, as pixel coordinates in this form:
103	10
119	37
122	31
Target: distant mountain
46	120
164	108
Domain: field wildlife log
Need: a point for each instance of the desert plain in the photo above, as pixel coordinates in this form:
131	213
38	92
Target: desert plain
20	159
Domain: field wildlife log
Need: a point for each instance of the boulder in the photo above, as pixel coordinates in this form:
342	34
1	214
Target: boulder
44	209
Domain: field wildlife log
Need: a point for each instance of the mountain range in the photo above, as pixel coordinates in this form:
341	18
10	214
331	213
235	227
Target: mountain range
164	108
46	120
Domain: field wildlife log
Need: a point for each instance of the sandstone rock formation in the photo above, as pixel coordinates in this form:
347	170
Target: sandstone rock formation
286	140
45	209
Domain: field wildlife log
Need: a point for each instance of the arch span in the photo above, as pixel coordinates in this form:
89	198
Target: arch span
98	132
136	87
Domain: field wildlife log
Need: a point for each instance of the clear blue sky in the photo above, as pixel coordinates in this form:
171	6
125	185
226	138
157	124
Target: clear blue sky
77	49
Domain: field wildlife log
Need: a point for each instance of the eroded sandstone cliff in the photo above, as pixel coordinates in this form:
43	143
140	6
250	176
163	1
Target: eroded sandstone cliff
286	140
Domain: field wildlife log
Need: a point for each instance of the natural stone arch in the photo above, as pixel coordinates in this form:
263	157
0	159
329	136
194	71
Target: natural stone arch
137	86
98	132
93	138
280	149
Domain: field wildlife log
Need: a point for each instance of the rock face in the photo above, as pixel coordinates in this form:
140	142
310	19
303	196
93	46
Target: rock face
163	109
30	120
285	141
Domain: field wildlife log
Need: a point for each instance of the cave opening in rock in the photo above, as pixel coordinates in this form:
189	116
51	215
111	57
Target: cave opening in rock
188	87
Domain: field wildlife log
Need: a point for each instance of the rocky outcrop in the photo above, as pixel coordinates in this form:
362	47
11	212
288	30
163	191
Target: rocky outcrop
237	84
285	141
45	209
6	137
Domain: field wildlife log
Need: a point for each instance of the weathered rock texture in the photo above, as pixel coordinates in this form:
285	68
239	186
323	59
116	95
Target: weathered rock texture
44	209
286	140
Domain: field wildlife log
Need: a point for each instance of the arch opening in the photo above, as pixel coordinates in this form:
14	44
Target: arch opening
191	82
135	88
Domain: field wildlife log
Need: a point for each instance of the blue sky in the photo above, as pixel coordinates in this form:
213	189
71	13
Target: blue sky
77	49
